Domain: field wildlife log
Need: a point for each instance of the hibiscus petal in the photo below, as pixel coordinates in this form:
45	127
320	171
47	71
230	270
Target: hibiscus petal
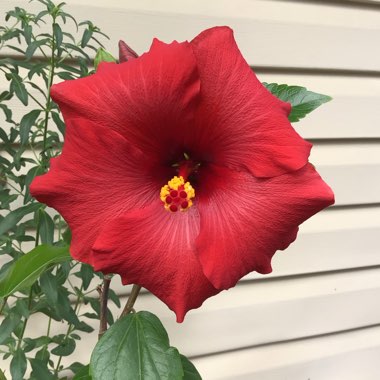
245	220
98	176
149	100
239	123
155	249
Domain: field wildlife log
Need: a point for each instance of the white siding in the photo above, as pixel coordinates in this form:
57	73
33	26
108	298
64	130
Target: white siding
318	315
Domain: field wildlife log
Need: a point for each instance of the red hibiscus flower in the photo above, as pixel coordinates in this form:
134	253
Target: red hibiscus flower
179	170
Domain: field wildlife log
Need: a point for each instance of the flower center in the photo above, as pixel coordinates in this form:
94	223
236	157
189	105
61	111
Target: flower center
177	195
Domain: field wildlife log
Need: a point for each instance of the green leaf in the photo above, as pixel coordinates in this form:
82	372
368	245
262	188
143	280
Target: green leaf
136	347
103	56
19	88
5	95
87	34
64	309
57	35
32	173
28	268
15	216
32	47
2	376
28	34
59	123
8	325
190	372
22	307
18	365
7	113
83	373
49	287
86	274
66	348
46	227
26	124
66	236
302	100
40	370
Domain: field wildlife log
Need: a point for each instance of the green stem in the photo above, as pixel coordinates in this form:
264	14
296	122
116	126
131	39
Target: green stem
50	83
26	319
69	329
47	334
131	300
37	101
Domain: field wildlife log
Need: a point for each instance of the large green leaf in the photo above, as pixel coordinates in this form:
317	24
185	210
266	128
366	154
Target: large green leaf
136	347
190	372
302	100
26	270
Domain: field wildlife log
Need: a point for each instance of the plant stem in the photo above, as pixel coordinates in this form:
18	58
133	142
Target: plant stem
131	300
26	319
69	329
50	83
48	335
37	101
103	305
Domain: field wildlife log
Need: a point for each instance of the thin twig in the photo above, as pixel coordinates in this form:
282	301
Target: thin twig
131	300
103	292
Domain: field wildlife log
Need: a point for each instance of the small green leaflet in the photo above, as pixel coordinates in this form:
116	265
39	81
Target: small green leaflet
27	269
136	347
302	100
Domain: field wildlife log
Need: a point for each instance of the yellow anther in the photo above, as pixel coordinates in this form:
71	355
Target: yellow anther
176	182
177	194
189	190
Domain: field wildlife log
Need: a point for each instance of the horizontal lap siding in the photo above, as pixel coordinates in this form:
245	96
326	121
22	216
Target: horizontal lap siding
316	315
